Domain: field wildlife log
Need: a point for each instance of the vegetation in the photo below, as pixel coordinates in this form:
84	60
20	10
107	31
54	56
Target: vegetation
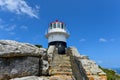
39	46
111	74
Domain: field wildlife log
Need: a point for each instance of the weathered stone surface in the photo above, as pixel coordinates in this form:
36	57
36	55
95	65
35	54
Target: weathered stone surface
9	48
31	78
60	65
62	77
74	51
78	71
18	67
85	67
20	59
56	77
50	52
92	69
45	67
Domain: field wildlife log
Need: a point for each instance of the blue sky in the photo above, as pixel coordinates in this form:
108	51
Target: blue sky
94	25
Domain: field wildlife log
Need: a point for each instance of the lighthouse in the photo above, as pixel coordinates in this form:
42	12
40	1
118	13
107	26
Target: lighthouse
57	35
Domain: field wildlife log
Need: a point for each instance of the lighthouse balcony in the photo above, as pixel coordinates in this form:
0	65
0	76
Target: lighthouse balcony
57	31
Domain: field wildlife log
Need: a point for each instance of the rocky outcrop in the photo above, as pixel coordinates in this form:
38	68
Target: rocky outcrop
31	78
92	69
10	48
57	77
78	71
23	61
60	65
18	67
20	59
87	67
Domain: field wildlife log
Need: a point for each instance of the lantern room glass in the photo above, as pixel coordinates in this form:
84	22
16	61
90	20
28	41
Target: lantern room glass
57	25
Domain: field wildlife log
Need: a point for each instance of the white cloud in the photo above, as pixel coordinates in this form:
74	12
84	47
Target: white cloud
7	27
12	33
10	28
102	40
19	7
24	27
82	40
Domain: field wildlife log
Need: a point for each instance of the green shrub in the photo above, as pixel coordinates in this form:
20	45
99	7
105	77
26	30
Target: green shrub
39	46
111	74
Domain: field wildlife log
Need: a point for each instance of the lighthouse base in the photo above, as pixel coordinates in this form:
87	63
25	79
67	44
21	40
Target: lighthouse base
60	45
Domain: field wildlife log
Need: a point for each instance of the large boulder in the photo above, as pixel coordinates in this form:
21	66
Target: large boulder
18	67
31	78
92	69
9	48
20	59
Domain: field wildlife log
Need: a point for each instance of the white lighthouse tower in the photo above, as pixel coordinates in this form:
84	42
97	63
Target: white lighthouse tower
57	35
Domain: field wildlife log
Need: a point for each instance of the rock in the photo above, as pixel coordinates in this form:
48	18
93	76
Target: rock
74	51
84	57
92	69
19	67
18	60
9	48
51	49
50	52
45	67
62	77
85	67
77	69
31	78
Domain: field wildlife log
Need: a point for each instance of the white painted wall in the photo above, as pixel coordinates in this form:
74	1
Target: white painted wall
57	37
57	30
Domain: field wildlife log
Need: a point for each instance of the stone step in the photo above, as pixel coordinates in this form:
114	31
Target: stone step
61	65
57	67
61	58
61	62
58	72
61	69
62	77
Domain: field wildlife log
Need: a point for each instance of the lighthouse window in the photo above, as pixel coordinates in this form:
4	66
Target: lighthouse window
50	26
54	25
58	25
62	26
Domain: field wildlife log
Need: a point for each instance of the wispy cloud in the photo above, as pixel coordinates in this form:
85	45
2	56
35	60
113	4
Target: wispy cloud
102	40
82	40
10	28
107	40
7	27
24	27
12	33
19	7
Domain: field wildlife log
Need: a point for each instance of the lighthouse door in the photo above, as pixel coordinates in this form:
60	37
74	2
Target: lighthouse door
61	49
